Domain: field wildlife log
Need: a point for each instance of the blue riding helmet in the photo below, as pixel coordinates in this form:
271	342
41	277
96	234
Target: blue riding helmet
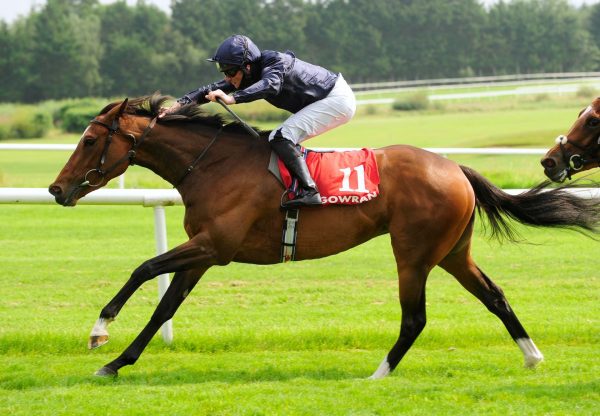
236	50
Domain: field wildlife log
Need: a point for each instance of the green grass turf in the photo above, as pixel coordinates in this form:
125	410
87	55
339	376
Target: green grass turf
286	339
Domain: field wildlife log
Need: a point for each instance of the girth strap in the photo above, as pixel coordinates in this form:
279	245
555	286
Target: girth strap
288	238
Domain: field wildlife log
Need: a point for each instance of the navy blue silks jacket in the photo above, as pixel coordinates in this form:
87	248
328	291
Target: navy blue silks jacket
279	78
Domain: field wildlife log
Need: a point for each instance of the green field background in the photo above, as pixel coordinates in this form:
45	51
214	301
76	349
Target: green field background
301	338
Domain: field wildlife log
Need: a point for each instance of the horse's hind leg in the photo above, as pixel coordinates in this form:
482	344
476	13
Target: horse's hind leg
463	268
412	301
415	255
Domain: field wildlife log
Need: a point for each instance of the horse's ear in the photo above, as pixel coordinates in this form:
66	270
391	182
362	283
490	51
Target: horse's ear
122	107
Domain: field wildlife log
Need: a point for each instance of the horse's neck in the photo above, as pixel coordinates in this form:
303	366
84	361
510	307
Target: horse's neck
170	150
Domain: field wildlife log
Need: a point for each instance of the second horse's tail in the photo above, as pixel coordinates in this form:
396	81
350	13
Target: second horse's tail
556	207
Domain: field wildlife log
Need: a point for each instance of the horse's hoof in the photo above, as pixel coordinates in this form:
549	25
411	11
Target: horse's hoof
382	371
532	361
106	372
96	341
532	355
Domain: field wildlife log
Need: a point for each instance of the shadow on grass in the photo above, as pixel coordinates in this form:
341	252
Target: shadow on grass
232	376
132	377
242	378
27	372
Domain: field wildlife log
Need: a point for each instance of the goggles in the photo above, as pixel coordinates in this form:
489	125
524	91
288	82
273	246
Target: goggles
228	70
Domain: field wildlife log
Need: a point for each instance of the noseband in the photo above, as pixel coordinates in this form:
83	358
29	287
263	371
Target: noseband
130	155
576	161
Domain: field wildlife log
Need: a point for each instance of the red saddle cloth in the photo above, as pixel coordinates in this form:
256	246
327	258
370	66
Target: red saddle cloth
348	178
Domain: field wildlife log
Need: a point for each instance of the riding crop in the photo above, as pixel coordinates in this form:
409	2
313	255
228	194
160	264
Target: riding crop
242	122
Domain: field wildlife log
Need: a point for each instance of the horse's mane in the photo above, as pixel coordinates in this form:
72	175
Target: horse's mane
192	114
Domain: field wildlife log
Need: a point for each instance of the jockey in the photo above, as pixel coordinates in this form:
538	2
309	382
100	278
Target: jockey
318	99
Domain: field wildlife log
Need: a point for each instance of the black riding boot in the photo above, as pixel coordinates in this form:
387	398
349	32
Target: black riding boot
293	160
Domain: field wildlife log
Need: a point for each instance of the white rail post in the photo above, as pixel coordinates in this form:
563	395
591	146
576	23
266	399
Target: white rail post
160	233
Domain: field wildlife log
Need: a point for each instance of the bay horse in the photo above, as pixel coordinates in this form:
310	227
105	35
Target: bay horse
426	203
579	149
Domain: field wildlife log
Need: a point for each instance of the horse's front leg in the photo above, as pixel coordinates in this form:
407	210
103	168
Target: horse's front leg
178	259
180	287
99	334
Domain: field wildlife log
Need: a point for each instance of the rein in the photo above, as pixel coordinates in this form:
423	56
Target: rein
197	160
112	130
576	161
214	139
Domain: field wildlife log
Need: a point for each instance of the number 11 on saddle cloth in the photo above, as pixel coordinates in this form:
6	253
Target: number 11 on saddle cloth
348	178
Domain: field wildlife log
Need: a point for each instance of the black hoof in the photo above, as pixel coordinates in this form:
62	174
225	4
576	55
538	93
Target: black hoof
106	372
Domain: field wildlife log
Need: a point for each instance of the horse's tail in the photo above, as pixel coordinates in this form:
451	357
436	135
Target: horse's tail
538	206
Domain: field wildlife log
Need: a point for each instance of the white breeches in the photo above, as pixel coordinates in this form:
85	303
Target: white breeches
336	109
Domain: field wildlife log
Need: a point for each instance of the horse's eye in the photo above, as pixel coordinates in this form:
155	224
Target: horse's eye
593	122
89	141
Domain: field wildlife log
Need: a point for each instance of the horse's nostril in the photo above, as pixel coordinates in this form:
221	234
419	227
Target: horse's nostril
55	190
548	163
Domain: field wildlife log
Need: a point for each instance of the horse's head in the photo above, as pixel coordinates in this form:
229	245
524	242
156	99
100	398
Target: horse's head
579	150
104	151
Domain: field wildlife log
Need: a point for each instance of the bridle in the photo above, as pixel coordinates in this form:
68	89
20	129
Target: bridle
576	161
130	155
